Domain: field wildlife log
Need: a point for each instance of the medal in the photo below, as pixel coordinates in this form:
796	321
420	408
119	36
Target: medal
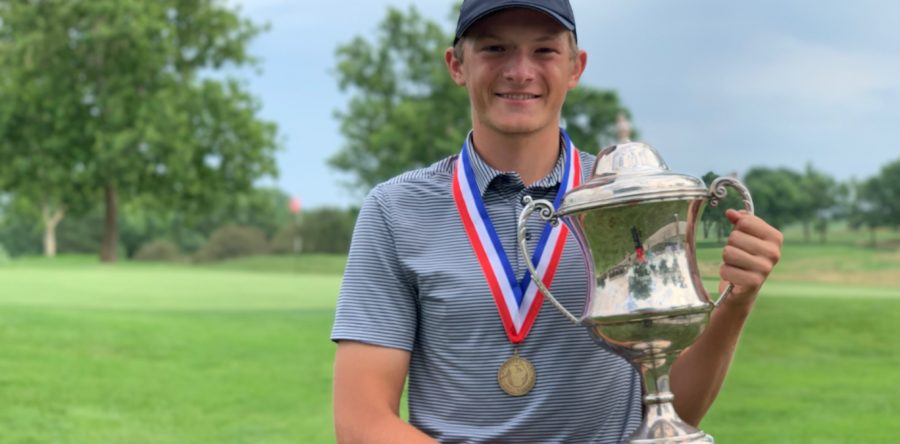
518	301
516	376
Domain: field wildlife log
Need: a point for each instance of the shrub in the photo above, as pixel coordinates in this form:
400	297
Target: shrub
233	241
283	240
327	230
160	250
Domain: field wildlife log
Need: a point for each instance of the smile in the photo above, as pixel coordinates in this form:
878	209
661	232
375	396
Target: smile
518	96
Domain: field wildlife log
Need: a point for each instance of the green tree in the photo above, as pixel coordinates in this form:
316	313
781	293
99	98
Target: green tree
406	112
19	233
875	202
327	230
40	128
864	210
778	194
884	192
143	222
819	201
715	217
134	112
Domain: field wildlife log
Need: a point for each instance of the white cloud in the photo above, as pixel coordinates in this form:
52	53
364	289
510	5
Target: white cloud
786	68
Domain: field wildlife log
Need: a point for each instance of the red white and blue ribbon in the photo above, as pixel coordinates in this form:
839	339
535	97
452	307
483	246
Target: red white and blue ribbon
517	301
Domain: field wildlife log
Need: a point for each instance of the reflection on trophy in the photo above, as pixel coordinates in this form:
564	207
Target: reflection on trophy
635	221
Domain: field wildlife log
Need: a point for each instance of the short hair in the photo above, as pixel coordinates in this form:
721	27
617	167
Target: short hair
573	46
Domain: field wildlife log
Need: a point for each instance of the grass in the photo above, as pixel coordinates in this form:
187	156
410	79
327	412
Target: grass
827	264
88	376
163	354
239	352
813	370
308	264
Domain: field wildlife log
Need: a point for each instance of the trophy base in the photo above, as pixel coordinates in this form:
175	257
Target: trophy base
663	426
694	438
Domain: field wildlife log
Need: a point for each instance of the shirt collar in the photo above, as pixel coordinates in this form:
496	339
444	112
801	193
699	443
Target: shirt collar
485	174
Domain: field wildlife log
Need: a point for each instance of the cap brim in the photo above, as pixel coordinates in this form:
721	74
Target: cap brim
528	5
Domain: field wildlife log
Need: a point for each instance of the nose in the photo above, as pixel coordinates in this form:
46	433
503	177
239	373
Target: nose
519	67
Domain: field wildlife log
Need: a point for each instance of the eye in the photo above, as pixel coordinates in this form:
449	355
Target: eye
547	50
493	48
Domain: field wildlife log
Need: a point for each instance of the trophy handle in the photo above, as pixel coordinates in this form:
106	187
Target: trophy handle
548	214
717	192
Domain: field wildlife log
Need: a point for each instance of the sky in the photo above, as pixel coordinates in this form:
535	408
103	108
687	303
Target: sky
713	86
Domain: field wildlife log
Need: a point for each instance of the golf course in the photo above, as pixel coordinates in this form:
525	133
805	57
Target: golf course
239	351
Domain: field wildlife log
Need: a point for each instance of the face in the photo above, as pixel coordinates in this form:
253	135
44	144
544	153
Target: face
517	66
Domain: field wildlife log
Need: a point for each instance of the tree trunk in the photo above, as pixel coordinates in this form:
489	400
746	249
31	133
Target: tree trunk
52	218
110	229
706	225
806	231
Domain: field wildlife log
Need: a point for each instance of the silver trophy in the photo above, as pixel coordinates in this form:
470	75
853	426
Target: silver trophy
635	221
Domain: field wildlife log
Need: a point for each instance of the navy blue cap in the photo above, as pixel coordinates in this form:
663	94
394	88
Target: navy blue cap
475	10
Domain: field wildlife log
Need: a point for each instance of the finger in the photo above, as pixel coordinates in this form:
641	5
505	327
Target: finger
741	277
769	250
752	224
735	257
734	215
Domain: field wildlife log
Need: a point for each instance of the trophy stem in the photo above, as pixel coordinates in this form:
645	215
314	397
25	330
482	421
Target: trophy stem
662	425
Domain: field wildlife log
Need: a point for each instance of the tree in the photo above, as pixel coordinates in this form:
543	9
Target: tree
328	230
131	114
19	234
864	210
143	222
406	112
39	125
715	217
876	201
777	194
884	192
819	201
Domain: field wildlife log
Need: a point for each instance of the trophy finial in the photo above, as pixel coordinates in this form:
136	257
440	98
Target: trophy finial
623	128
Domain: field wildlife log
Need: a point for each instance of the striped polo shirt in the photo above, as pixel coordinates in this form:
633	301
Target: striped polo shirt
413	282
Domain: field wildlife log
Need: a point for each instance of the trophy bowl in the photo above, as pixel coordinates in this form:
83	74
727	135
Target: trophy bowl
635	223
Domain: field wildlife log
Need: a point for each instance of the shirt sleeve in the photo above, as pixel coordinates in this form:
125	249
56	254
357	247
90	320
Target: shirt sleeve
377	303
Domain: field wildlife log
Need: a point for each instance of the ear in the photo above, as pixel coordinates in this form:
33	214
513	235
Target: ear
580	63
454	67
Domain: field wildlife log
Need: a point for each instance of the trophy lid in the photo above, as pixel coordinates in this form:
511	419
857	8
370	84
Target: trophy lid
630	173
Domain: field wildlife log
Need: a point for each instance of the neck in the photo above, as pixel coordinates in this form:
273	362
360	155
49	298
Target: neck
532	156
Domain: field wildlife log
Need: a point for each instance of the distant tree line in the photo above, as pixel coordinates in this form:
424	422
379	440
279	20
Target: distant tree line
256	222
260	221
815	200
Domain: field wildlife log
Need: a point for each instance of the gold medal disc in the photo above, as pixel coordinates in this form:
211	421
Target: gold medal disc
516	376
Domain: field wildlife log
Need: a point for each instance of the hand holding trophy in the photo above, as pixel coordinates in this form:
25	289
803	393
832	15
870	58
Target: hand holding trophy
635	223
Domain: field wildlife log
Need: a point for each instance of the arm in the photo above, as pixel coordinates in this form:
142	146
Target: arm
753	249
368	382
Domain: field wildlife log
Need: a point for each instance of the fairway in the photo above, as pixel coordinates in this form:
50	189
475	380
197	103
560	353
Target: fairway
167	288
812	370
239	353
157	354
